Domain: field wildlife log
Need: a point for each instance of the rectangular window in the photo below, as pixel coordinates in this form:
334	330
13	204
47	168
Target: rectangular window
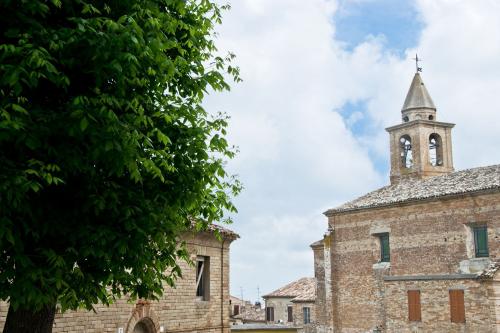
269	313
414	311
203	278
236	310
481	241
307	315
457	307
385	250
290	314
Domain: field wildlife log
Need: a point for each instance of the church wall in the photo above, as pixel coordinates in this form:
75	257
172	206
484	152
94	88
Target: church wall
426	238
177	311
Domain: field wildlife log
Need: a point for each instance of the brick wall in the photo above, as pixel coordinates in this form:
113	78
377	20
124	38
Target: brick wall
177	311
426	238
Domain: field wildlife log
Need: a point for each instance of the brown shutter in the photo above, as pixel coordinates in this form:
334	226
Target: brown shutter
457	307
414	311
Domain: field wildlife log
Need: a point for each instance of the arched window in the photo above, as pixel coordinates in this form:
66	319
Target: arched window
435	150
406	152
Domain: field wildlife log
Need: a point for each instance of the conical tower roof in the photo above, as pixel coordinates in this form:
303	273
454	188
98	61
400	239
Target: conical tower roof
418	97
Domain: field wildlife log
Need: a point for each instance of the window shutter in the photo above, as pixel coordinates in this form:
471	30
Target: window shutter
457	306
414	311
290	314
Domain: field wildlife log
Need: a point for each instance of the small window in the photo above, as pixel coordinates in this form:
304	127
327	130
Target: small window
457	307
203	278
431	117
307	315
405	119
290	314
481	241
385	251
414	311
269	313
236	310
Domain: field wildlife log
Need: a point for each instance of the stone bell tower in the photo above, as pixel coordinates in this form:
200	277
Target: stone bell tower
420	145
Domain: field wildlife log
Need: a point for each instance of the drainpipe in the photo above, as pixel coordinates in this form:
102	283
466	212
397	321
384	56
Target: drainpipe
222	303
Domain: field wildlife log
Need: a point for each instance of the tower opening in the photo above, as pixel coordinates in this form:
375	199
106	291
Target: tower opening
435	150
406	151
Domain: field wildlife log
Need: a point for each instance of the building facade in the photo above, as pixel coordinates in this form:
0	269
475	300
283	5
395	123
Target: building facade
421	254
293	305
199	303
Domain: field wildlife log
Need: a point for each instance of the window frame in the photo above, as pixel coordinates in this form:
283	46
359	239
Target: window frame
306	312
270	313
478	252
202	278
385	254
289	313
414	305
457	305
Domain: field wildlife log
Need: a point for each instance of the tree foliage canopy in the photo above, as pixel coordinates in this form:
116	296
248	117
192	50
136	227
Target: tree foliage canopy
106	152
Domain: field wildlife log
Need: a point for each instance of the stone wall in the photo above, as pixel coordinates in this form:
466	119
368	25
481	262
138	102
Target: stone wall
178	310
426	238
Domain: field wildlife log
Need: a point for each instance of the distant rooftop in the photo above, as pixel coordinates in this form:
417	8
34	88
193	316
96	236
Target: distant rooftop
302	290
455	183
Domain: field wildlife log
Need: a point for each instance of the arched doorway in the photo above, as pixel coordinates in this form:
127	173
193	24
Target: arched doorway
145	325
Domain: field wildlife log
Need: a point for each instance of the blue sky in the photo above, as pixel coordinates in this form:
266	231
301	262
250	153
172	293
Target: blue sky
396	21
322	81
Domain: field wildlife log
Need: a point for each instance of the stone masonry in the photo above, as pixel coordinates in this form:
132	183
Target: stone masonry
178	310
418	234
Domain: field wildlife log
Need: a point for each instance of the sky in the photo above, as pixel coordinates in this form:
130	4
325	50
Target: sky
322	79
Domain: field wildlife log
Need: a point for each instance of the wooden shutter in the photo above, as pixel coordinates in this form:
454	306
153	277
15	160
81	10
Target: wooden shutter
290	314
414	311
457	307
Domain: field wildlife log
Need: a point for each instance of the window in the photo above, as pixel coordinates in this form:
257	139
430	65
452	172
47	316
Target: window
236	310
290	314
385	250
457	307
481	241
307	315
414	312
203	278
269	313
435	150
406	152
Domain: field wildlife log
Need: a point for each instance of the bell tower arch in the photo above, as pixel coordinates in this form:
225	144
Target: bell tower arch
420	146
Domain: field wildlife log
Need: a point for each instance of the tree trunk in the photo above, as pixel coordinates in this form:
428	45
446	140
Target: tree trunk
28	321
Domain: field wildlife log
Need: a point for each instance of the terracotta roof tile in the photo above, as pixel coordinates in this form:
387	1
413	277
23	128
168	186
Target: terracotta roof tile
460	182
301	290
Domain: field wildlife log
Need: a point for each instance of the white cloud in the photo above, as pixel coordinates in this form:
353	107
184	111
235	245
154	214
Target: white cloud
298	156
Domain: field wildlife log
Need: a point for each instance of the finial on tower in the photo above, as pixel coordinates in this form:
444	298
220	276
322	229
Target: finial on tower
417	59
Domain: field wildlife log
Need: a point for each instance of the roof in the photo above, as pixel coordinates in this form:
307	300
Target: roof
407	190
301	290
319	243
418	97
490	271
215	228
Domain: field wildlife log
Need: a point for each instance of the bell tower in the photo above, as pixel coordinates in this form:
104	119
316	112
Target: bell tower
420	145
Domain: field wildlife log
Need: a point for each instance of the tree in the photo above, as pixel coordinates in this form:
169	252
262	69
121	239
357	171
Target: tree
106	152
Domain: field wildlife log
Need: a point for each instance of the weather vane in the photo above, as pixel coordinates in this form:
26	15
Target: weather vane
419	69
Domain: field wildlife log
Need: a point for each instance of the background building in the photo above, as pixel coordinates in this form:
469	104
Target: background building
293	304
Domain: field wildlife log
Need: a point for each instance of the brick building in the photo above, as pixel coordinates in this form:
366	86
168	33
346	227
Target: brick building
199	303
421	254
293	304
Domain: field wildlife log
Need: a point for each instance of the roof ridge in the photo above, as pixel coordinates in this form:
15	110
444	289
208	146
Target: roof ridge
458	182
